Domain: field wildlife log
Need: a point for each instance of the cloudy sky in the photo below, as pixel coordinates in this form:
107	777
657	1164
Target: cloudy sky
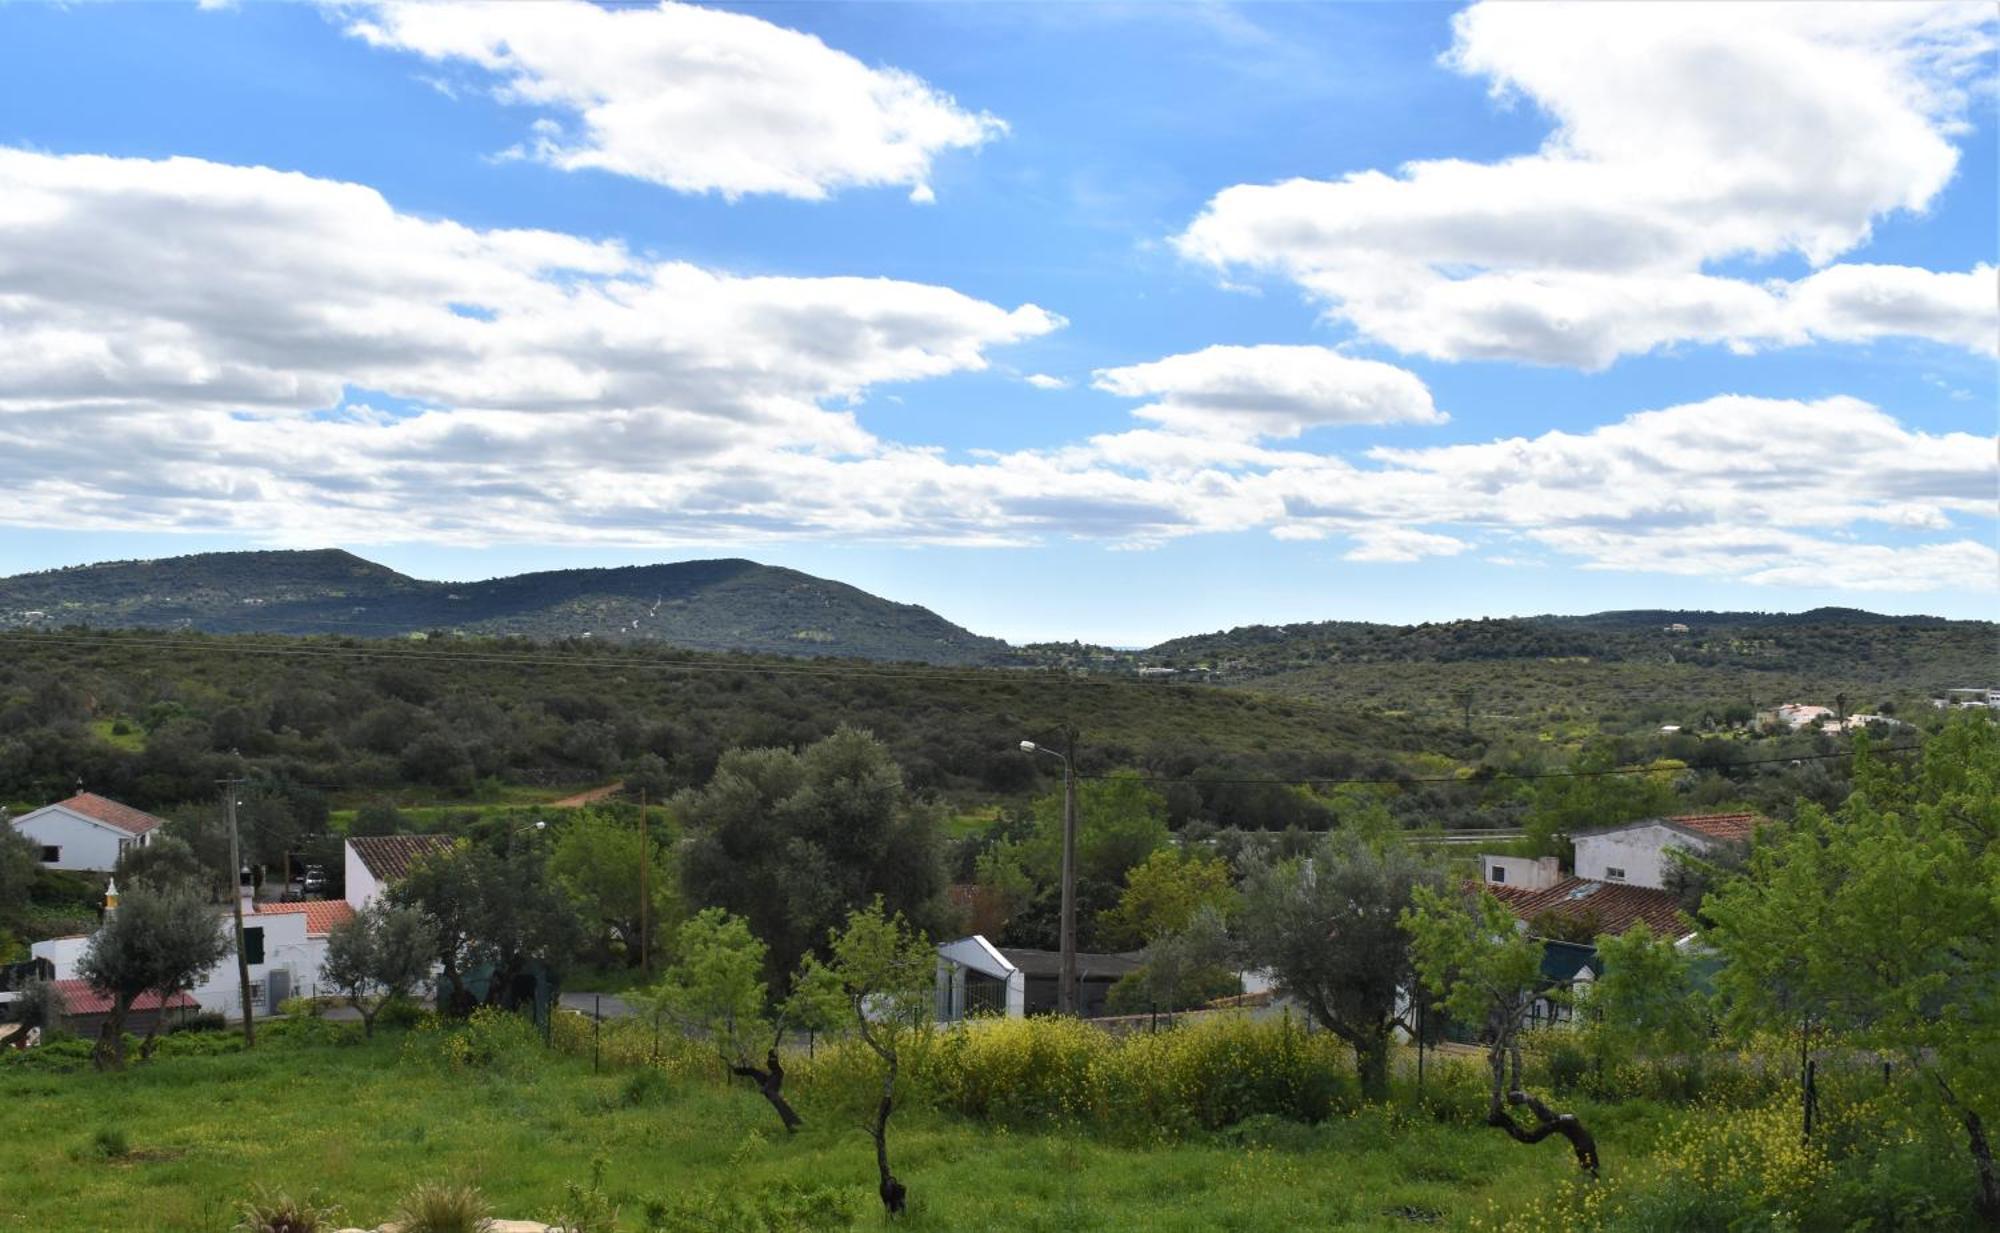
1065	320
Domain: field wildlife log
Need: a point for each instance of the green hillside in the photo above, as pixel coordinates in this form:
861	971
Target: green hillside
720	605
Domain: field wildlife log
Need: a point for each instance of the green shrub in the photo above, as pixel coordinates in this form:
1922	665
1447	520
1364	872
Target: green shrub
270	1211
1221	1069
444	1207
400	1013
205	1021
110	1143
489	1040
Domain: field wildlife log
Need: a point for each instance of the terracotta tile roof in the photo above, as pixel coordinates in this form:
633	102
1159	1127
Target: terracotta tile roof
389	857
1612	907
111	813
78	998
1730	827
321	915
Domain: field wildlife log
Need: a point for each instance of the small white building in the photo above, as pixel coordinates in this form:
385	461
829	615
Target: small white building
973	977
285	943
86	832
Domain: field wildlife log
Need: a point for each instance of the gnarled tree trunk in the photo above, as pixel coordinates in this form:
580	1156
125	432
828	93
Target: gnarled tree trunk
1506	1047
1987	1200
771	1082
110	1051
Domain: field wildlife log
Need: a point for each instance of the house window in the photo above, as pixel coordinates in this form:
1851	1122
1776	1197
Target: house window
1499	874
253	945
51	853
1613	873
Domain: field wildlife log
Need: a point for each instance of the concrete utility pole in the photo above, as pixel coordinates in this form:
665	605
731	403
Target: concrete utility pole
1066	1001
236	909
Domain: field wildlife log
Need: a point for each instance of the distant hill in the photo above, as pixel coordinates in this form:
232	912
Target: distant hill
721	605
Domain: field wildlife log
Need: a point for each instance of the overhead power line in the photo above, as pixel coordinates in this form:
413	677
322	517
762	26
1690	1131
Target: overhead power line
1474	777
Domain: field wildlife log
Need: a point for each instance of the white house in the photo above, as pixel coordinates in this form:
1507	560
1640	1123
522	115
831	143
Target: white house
372	864
86	832
285	942
1635	853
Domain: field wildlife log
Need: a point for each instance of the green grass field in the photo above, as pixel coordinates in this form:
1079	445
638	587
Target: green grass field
361	1123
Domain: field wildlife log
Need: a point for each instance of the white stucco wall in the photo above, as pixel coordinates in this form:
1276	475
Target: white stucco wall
1525	872
361	884
286	948
86	844
1640	852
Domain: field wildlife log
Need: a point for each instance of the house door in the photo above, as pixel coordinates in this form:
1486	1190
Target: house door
278	987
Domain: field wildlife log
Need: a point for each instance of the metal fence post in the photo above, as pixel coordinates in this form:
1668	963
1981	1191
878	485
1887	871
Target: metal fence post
596	1025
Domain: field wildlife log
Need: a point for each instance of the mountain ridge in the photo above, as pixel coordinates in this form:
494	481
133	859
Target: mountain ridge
723	604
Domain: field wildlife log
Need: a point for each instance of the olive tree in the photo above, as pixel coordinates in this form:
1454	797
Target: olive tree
1328	926
161	940
383	954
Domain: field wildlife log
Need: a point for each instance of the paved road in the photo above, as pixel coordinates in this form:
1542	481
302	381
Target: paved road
613	1006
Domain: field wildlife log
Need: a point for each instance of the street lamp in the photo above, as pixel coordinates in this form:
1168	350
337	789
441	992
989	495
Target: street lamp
1066	981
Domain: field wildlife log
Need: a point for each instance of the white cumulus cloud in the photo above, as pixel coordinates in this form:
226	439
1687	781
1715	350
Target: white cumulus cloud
1270	391
1684	136
698	100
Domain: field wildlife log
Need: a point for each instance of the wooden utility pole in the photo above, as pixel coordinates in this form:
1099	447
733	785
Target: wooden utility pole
236	909
645	892
1066	999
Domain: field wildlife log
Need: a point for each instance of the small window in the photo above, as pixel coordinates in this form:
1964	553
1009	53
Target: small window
51	853
1499	874
253	945
1613	873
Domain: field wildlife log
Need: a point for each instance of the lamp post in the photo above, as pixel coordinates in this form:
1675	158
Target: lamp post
1066	981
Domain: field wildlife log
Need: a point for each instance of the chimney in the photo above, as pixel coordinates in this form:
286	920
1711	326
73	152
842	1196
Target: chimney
246	890
110	896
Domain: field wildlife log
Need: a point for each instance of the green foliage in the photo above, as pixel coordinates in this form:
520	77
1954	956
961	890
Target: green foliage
1121	821
1560	806
110	1143
794	842
444	1207
167	859
794	1207
716	988
586	1209
160	941
1647	1005
1185	969
492	907
596	860
1328	927
381	955
1471	954
1879	923
1162	895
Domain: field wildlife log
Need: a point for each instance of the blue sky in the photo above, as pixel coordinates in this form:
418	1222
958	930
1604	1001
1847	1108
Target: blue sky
1398	312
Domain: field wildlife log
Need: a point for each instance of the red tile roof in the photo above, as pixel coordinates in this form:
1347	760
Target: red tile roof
78	998
321	915
390	857
1729	827
1609	906
111	813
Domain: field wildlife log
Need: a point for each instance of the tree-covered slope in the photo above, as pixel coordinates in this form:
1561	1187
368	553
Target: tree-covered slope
720	605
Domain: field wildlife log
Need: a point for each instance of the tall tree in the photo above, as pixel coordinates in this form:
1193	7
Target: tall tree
1163	893
161	940
793	842
1328	926
597	861
1880	923
1485	969
1602	794
383	954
